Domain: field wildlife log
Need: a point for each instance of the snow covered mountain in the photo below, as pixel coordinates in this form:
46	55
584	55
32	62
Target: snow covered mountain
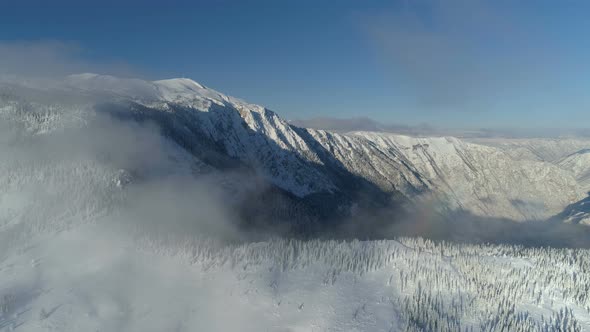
316	172
110	188
479	179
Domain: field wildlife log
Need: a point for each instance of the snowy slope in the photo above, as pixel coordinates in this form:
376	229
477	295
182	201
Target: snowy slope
248	132
485	180
579	164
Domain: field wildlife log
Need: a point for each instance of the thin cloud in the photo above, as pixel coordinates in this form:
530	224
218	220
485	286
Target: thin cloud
51	59
462	53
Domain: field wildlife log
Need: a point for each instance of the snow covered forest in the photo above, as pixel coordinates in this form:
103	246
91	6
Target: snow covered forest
430	286
408	284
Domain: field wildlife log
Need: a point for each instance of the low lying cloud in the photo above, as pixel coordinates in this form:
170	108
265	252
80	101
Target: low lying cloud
53	59
428	220
69	164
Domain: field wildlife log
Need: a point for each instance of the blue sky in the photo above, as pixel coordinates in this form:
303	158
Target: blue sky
445	63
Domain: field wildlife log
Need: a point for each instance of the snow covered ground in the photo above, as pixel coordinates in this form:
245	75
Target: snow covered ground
94	279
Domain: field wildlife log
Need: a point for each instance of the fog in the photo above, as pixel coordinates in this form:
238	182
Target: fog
64	166
462	227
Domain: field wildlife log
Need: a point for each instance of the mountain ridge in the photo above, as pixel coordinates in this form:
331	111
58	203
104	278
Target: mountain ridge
315	169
